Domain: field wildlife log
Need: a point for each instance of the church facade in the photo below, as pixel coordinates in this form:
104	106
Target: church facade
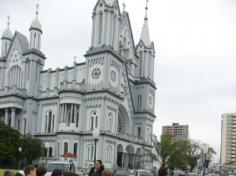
112	91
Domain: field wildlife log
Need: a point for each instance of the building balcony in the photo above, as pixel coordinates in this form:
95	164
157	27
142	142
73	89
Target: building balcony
65	127
13	90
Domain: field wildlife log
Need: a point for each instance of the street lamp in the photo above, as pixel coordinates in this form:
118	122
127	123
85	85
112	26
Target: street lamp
46	146
19	150
96	134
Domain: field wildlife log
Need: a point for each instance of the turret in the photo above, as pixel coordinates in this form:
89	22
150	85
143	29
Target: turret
35	32
106	19
6	39
146	51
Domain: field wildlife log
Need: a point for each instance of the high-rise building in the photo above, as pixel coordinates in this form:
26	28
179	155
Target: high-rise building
112	92
228	139
176	131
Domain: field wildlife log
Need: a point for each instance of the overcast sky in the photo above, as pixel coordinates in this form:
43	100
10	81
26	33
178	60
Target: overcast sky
195	44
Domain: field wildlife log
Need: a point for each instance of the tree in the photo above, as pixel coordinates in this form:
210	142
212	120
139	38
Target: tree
170	155
32	148
9	142
193	154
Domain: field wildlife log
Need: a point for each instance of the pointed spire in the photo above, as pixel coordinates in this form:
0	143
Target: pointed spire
145	37
146	10
8	21
37	10
124	6
7	33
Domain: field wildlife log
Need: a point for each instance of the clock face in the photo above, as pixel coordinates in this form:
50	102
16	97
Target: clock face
113	77
150	100
96	73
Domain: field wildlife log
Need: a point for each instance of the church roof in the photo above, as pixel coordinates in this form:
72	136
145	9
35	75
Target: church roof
22	40
36	25
7	34
110	2
145	36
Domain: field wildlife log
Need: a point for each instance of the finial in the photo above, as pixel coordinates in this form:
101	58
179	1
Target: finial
146	10
124	6
37	10
8	21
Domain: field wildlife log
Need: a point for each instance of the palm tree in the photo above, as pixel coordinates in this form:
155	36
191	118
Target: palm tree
168	154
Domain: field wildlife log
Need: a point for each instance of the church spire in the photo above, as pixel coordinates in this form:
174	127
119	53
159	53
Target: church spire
145	37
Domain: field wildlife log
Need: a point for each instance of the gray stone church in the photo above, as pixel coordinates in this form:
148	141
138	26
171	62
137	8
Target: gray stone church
112	91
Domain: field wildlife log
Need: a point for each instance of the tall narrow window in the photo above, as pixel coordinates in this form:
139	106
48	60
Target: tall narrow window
100	28
75	149
35	37
77	120
139	132
50	152
93	120
109	122
65	147
24	126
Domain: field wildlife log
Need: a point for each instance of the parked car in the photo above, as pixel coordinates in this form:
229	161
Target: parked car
143	173
62	165
123	172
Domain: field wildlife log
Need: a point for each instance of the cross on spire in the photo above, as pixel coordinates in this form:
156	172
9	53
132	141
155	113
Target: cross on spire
8	21
146	10
124	6
37	10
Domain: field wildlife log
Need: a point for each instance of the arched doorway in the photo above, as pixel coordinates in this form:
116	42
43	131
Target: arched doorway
120	152
123	121
129	157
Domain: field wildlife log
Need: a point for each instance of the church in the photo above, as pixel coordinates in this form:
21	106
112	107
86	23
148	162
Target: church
112	92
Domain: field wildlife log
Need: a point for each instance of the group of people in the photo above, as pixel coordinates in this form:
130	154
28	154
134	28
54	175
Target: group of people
97	170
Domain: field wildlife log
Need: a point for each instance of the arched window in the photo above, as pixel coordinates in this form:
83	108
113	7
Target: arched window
50	152
109	122
93	120
65	147
49	122
75	149
109	154
139	132
15	76
90	152
100	28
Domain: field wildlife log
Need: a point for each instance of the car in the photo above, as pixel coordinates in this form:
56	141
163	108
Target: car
66	166
123	172
143	173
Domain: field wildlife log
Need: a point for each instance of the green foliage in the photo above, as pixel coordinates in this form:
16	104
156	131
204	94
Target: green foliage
177	155
11	140
31	148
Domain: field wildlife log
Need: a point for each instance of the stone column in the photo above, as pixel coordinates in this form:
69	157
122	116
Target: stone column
6	116
13	117
71	113
65	117
75	113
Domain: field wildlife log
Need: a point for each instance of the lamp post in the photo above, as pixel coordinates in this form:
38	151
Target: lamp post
46	146
19	150
96	134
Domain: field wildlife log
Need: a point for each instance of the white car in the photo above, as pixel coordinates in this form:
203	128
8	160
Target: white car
143	173
61	165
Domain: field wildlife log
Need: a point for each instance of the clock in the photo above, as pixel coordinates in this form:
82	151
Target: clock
96	73
113	77
150	100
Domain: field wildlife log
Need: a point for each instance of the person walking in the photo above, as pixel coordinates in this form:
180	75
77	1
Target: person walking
41	170
97	170
8	173
30	170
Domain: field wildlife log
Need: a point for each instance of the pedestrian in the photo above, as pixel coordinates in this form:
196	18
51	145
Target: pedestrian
30	170
41	170
107	172
57	172
8	173
97	170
